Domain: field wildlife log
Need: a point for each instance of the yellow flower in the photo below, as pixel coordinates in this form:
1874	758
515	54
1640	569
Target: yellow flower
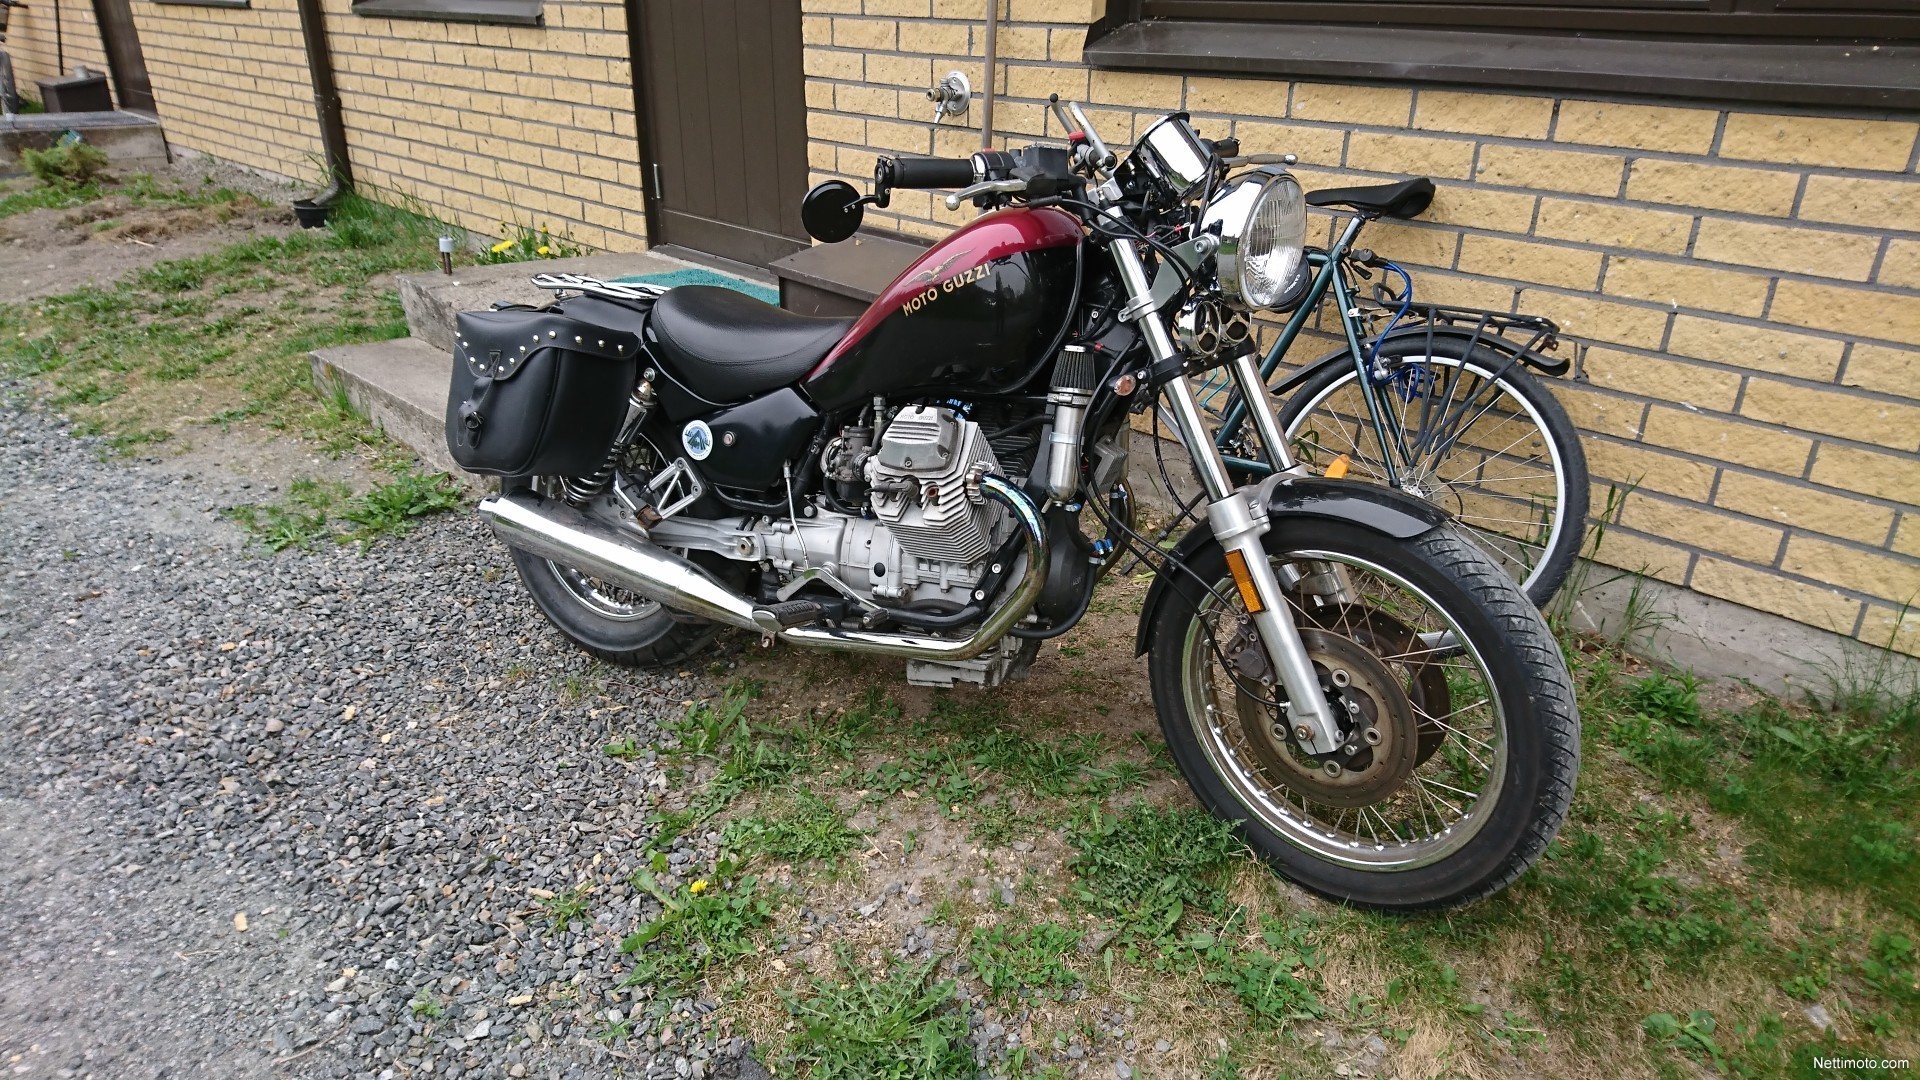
698	887
543	250
502	246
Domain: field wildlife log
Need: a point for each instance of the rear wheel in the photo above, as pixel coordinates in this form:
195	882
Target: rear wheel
1461	741
1471	432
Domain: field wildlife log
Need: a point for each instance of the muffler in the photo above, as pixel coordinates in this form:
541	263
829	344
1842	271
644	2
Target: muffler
550	529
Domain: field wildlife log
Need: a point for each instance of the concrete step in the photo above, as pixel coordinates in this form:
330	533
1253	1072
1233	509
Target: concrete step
431	300
401	385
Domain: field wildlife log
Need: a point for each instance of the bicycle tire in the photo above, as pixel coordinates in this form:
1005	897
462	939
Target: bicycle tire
1544	574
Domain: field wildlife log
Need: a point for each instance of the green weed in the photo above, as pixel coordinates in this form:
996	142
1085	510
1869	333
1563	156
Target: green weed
904	1026
567	905
706	922
801	827
1014	962
1148	864
392	508
297	520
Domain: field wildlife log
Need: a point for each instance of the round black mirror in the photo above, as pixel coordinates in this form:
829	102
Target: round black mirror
832	211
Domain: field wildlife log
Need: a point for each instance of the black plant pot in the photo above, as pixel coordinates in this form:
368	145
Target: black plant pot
310	214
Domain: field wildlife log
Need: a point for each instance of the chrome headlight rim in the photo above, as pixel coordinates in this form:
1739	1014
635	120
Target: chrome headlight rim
1233	210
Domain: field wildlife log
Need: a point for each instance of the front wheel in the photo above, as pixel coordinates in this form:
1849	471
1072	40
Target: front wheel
1462	738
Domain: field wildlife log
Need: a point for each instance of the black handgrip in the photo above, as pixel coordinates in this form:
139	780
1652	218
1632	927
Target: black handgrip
919	172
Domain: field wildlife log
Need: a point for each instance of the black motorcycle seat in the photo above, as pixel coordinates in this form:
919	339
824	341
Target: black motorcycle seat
1406	199
726	346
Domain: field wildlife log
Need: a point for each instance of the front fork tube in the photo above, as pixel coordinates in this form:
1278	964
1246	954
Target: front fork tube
1238	521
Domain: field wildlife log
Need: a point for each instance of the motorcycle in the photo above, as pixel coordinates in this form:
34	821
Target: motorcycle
944	479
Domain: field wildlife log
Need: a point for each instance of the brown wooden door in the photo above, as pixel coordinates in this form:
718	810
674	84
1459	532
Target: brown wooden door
129	65
727	125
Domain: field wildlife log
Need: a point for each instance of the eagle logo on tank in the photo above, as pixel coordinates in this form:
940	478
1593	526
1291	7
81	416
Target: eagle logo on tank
960	280
698	439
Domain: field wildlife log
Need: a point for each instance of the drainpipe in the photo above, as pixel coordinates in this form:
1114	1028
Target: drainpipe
986	104
326	102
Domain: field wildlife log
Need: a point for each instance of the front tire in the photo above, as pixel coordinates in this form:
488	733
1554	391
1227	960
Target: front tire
1472	736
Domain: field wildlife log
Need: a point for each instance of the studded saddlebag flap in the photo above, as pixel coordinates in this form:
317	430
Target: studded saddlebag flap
536	391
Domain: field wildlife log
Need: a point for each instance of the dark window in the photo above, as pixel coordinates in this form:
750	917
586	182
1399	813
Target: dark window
1886	20
1847	53
508	12
209	3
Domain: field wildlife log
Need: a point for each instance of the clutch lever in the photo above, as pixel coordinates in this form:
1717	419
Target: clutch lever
987	187
1260	159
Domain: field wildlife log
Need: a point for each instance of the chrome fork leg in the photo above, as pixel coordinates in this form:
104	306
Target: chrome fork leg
1246	372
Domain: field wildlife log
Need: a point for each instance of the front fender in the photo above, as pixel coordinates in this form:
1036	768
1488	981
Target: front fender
1369	506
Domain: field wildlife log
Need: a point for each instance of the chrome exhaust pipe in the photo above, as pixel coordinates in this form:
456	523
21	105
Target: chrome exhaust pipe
550	529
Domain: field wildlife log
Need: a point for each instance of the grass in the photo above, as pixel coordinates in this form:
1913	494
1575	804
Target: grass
313	510
139	191
901	1025
223	336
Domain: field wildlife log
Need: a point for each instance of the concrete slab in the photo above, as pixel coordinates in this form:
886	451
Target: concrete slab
128	139
432	300
401	385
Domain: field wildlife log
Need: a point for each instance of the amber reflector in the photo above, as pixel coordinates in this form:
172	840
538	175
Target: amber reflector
1250	596
1337	468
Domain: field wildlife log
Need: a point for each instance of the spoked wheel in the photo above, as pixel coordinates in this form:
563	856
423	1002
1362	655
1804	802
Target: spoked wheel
612	623
1460	740
1472	433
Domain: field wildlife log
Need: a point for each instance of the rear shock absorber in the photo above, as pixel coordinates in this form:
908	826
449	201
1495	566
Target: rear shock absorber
580	490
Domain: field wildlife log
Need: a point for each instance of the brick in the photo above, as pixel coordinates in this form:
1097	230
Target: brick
906	138
1834	412
831	63
1637	127
1603	413
1038	82
1804	507
1613	225
1414	245
1238	97
1758	348
816	30
1599	320
1785	247
1313	145
1341	103
1847	311
1641	467
1521	260
1662	379
1013	43
939	40
1159	92
908	72
830	7
911	8
1894	477
1896	628
1056	11
1436	288
1900	266
1819	140
863	34
1551	170
837	127
1907	540
1716	187
1847	200
1702	527
867	100
1890	577
1410	155
1679	285
1483	114
1765	590
1643	556
1890	371
1479	208
1067	46
1757	445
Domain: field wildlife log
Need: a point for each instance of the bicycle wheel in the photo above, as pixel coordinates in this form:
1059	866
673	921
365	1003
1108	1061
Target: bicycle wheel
1471	432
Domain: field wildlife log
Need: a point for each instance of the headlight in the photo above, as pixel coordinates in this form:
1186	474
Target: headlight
1262	217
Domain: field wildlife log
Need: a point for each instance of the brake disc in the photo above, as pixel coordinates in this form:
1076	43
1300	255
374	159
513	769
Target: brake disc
1380	735
1384	635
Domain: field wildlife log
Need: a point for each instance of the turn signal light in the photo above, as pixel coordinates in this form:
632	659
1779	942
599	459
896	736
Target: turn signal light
1250	596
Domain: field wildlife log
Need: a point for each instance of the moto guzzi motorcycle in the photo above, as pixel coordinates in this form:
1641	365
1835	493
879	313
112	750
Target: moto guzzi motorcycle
944	479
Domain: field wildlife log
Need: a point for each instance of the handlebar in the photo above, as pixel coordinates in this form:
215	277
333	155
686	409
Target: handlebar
926	172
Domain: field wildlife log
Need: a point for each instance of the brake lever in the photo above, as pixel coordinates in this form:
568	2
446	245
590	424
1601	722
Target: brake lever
1260	159
987	187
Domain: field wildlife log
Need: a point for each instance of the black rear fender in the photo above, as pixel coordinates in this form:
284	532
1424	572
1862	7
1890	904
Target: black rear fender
1369	506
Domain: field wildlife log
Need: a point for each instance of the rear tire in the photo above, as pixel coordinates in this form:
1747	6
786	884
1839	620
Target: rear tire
1499	705
1541	560
645	636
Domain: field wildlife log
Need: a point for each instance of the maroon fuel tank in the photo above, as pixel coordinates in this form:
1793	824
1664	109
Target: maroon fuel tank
974	311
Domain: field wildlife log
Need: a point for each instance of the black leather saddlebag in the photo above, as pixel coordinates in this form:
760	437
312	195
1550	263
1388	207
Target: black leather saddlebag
536	391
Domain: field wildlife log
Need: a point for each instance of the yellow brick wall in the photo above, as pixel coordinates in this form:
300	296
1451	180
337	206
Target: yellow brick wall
485	124
232	83
477	124
1742	288
31	42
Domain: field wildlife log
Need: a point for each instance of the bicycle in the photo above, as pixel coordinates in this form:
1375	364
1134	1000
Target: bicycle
1473	430
9	94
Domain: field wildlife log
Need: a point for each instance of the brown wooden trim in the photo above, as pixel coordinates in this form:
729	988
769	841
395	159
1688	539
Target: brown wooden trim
642	122
1782	72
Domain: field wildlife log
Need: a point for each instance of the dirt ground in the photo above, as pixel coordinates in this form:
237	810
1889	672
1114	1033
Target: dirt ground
46	252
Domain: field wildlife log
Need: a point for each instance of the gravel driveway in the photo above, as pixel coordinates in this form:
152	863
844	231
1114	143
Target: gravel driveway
292	815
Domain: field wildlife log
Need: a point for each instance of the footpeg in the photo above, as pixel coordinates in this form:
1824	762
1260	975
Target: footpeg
790	613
